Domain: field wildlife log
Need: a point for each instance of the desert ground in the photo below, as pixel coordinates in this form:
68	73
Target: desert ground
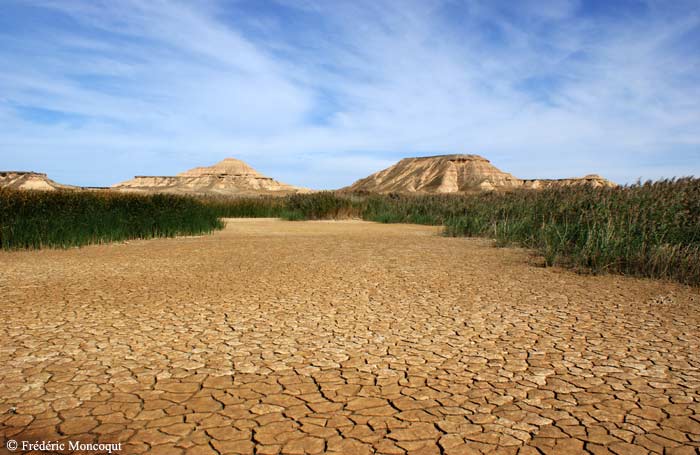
342	337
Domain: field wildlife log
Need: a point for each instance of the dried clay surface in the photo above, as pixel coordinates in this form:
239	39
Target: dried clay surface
342	338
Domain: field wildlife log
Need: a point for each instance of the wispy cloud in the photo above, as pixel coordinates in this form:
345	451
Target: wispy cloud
322	93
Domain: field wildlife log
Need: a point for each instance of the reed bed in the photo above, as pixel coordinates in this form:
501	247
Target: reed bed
246	207
37	219
649	229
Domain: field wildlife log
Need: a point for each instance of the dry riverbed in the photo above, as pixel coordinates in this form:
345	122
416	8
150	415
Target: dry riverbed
341	337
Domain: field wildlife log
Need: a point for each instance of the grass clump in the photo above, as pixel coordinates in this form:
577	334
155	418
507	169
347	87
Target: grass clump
320	205
648	229
432	210
36	219
246	207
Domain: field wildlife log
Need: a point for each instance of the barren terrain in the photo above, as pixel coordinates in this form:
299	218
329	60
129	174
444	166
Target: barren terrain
342	337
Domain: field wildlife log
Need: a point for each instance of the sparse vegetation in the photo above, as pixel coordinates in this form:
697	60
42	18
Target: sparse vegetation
36	219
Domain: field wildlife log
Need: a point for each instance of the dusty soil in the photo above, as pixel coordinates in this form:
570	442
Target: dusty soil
342	337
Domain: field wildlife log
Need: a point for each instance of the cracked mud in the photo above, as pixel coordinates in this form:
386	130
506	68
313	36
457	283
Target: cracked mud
342	337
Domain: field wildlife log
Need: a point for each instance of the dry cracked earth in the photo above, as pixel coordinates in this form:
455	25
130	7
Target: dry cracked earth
342	338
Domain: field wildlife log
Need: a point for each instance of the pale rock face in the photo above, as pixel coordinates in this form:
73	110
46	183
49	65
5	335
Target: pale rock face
435	174
438	174
456	174
594	180
228	166
30	181
227	177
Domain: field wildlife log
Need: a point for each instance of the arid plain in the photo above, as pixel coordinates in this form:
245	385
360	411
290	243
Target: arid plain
342	337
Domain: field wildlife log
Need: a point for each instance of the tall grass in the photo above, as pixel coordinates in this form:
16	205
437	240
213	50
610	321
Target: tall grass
246	207
648	229
321	205
36	219
414	209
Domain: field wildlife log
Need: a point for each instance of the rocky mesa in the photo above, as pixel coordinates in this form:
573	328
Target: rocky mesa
227	177
593	180
456	174
21	180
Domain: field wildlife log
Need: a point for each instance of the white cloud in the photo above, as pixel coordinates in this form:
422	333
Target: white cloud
160	86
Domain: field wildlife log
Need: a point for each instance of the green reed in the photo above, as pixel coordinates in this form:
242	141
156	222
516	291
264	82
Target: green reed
246	207
647	229
36	219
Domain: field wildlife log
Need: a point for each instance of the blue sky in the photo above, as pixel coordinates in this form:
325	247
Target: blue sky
321	93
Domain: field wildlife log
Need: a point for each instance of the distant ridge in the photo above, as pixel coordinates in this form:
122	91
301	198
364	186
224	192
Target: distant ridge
23	180
593	180
227	166
456	173
228	177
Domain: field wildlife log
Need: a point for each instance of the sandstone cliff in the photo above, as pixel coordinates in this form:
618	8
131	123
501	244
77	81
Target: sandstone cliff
228	177
19	180
456	174
437	174
594	180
